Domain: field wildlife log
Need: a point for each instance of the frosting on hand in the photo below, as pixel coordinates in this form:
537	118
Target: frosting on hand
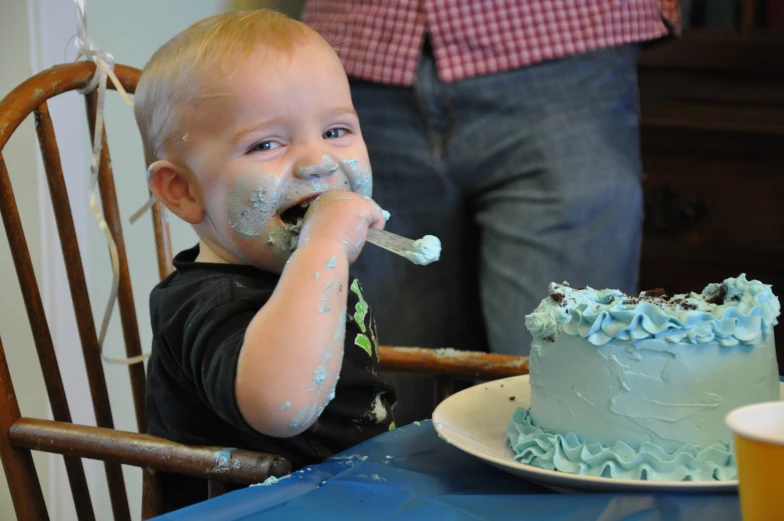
737	311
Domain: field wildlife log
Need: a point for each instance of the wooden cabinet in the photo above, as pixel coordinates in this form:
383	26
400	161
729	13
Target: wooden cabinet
712	136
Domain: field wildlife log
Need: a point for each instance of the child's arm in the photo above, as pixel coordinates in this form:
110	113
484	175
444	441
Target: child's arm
291	357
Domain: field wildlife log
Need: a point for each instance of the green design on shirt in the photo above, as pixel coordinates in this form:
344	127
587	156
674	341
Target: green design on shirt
361	308
364	342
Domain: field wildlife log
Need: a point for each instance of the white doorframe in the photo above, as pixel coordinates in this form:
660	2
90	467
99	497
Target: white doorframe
52	23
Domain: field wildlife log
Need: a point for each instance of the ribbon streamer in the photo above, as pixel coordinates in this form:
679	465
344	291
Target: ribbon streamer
104	70
146	206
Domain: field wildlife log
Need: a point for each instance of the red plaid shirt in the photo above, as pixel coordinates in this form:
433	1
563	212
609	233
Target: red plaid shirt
380	40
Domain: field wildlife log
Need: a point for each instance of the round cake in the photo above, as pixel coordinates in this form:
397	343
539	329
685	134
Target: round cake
637	387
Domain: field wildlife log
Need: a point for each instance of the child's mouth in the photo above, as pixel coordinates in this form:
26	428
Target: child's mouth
292	217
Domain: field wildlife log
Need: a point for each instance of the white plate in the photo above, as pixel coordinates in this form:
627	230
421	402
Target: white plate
474	421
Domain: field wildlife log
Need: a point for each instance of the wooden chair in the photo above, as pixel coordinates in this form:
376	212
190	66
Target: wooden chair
19	435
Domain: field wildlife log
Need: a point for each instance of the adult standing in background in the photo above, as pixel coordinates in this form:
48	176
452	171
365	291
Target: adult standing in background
510	130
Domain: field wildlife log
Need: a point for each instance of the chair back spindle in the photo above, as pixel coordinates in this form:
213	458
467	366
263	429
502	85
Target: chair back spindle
30	98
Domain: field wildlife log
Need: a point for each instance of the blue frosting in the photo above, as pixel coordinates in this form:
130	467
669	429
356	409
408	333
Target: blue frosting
568	453
425	250
737	311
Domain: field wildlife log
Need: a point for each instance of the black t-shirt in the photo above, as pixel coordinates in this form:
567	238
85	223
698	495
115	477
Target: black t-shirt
199	316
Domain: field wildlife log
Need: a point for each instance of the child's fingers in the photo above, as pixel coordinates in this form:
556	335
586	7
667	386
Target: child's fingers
378	220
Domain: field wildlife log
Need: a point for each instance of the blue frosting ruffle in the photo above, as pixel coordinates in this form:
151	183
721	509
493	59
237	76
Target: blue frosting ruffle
568	453
749	310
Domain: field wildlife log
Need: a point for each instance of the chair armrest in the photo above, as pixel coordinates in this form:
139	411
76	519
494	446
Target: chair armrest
241	467
450	362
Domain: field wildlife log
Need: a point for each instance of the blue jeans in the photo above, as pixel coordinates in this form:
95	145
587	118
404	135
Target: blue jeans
528	176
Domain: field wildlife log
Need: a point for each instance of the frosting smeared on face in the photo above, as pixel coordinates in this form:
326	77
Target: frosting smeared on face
252	202
360	177
326	167
256	200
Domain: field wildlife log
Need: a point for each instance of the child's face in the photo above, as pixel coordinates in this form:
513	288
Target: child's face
266	139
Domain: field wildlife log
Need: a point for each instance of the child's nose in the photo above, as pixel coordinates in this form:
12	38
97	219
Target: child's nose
308	168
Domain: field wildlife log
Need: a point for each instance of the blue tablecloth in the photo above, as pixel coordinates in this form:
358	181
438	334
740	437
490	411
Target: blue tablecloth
411	474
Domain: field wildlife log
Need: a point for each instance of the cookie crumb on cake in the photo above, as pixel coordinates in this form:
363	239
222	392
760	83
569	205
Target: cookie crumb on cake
657	293
718	299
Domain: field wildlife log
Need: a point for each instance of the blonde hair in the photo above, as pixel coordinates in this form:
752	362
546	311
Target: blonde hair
174	73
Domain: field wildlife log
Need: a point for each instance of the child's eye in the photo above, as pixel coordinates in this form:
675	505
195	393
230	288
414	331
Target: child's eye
264	146
334	133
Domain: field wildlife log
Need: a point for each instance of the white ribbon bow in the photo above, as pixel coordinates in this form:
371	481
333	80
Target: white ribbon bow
104	69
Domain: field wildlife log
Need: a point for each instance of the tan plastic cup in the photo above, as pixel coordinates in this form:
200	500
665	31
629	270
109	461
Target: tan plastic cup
759	449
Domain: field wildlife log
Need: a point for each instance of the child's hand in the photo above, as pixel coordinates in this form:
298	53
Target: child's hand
343	218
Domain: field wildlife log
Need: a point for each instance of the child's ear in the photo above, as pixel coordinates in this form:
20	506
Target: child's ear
174	188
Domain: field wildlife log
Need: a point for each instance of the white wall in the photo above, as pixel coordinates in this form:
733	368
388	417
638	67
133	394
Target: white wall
19	156
37	31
